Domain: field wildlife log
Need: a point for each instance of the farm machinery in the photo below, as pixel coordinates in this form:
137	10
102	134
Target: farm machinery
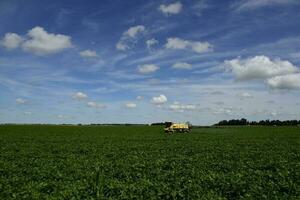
171	127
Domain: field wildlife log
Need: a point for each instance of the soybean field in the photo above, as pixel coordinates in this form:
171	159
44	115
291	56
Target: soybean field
142	162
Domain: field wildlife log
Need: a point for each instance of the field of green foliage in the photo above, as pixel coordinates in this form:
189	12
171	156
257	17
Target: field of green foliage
141	162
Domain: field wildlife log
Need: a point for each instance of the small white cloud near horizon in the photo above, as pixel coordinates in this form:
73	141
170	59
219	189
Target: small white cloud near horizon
195	46
224	111
274	113
258	67
130	105
285	82
41	42
20	100
181	65
161	99
171	9
11	41
147	68
178	107
93	104
60	116
88	54
79	96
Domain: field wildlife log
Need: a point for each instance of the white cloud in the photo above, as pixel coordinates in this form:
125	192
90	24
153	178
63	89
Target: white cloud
122	46
130	105
178	107
134	31
274	113
161	99
171	9
79	96
88	54
258	67
196	46
62	116
225	111
150	43
11	41
177	43
147	68
289	81
42	43
20	101
182	65
93	104
129	36
254	4
201	47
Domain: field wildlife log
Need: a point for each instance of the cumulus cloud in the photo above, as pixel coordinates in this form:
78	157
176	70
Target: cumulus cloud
20	101
93	104
254	4
88	54
259	67
150	43
38	41
171	9
178	107
147	68
288	82
79	96
129	36
11	41
161	99
182	65
41	42
196	46
130	105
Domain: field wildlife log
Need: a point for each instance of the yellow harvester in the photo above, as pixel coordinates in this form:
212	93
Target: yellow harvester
177	127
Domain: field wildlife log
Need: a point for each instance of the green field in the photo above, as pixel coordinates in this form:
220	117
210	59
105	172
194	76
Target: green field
116	162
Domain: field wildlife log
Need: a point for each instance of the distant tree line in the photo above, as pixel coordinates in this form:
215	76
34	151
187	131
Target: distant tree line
158	124
114	124
243	122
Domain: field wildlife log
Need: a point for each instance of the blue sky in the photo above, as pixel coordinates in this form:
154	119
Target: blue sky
147	61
